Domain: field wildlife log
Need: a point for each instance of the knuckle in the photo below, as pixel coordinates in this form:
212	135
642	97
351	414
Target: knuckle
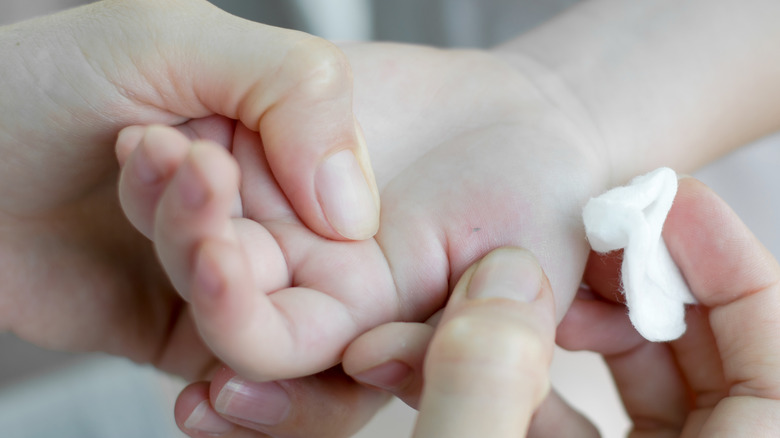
321	68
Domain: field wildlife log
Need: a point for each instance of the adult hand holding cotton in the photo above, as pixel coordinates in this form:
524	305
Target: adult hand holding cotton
631	218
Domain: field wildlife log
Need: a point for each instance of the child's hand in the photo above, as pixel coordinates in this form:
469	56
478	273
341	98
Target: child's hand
270	296
471	157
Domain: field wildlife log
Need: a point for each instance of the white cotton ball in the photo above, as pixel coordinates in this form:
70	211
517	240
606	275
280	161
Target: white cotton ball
631	218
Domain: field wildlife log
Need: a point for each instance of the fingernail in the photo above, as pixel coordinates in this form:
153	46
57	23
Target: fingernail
265	403
389	375
346	197
191	186
507	273
203	419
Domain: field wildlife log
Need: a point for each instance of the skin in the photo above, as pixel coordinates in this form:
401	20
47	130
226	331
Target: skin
62	217
505	294
580	62
266	280
443	237
719	379
70	257
128	307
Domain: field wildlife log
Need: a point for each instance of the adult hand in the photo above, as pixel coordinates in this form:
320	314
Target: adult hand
721	378
73	80
75	275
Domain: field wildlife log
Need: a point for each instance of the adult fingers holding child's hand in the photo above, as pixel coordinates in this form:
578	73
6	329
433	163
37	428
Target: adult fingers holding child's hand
722	377
121	63
486	362
76	78
485	371
296	91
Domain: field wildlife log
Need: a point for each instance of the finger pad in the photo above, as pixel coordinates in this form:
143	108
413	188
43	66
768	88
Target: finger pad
719	256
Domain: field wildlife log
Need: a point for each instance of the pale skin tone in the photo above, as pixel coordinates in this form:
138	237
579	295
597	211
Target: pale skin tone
493	343
425	252
59	212
70	259
720	379
271	298
76	228
677	128
102	288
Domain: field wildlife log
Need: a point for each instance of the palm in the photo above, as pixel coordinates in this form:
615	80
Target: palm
468	156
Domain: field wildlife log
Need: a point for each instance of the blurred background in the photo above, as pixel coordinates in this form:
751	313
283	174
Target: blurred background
51	394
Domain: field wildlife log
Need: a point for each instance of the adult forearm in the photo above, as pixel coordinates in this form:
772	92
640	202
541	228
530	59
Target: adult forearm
665	82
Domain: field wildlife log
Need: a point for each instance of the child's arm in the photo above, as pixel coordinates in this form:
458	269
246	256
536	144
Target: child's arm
666	82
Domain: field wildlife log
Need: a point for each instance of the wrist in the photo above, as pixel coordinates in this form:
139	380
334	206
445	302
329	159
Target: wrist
661	81
584	128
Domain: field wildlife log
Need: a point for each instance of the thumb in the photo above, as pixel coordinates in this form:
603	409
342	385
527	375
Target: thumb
168	61
487	366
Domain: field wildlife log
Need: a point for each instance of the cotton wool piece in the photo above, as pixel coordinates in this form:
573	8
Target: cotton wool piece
631	218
